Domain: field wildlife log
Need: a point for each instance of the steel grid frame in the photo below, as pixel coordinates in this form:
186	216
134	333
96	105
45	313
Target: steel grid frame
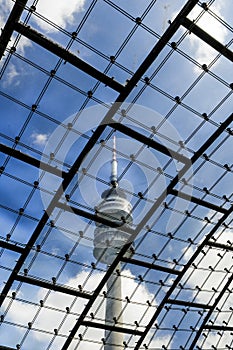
181	20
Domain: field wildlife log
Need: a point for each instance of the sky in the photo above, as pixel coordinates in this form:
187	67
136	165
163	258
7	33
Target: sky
105	29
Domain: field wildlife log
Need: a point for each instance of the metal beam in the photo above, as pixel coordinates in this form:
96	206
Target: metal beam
10	246
48	285
94	217
9	26
149	265
198	201
218	328
220	245
188	304
149	142
192	27
67	56
30	160
111	328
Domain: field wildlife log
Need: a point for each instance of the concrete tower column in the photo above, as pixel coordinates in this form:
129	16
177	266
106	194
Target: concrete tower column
113	310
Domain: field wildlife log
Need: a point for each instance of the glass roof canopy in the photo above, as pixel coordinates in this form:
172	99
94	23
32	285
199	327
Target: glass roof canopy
156	75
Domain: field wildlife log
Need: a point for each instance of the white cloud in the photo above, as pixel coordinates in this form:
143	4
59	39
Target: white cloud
5	7
58	11
48	320
222	341
23	44
11	76
202	52
39	139
204	279
14	72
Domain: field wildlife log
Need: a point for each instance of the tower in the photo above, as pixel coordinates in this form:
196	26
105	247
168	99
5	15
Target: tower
107	242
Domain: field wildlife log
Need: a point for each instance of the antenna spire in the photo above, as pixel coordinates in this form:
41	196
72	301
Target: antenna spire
113	177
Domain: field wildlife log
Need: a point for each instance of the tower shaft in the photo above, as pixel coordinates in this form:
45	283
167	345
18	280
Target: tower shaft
113	311
108	241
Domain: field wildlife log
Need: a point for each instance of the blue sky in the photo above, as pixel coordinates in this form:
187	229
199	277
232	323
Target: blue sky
105	30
